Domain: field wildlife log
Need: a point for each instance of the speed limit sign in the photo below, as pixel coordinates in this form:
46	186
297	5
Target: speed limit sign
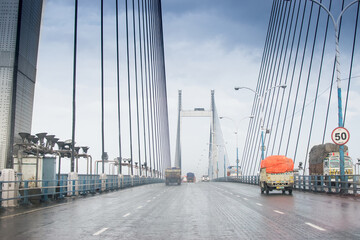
340	136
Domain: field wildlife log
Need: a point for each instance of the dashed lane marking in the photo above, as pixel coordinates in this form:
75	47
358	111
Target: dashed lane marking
126	215
315	226
154	197
278	212
148	201
259	204
231	193
238	196
245	198
100	232
139	207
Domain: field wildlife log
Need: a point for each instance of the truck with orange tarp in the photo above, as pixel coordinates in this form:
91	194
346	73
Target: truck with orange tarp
277	173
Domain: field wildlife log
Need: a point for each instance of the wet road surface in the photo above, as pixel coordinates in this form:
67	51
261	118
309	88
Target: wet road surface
190	211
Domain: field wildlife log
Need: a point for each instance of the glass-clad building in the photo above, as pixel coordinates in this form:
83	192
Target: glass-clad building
20	22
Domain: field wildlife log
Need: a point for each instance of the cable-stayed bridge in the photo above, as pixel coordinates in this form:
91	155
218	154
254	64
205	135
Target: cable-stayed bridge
51	186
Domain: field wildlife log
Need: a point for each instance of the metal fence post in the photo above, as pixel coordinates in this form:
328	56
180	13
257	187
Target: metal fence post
304	183
1	194
337	183
73	187
45	190
354	184
26	192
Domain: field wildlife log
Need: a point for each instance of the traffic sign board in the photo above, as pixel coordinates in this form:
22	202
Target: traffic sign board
340	136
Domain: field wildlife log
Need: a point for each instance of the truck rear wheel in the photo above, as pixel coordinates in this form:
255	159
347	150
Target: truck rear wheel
283	191
290	191
262	188
266	189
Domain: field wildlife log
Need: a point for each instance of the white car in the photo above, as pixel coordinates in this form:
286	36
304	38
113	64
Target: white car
205	178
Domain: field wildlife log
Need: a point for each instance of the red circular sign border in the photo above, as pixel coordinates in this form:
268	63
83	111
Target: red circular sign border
347	133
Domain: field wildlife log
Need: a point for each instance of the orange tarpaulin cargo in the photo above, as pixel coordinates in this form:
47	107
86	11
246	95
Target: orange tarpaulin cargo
277	164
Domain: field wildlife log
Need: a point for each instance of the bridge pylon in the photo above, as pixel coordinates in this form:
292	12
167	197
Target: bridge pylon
217	151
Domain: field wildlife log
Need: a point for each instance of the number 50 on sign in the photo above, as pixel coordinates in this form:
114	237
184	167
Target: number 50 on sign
340	136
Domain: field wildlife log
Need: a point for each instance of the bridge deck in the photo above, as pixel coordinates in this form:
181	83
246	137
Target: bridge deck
190	211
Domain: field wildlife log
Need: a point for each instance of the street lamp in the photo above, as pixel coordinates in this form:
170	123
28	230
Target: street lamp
262	96
338	80
237	141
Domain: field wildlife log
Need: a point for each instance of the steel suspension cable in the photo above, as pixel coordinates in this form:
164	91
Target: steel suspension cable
261	80
317	87
284	39
136	86
147	74
300	76
165	106
102	89
74	89
288	69
262	91
294	68
270	83
129	85
308	79
332	83
118	84
276	69
243	163
142	83
352	61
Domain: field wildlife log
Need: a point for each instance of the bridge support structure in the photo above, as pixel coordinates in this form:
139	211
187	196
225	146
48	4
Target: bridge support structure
217	150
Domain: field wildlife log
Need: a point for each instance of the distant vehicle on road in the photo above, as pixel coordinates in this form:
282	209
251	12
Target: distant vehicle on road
173	175
205	178
184	179
232	171
190	177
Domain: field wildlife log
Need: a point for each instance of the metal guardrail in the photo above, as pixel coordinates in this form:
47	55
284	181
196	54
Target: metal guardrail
32	191
312	183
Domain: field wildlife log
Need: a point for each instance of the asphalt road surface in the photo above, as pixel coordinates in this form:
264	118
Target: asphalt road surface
189	211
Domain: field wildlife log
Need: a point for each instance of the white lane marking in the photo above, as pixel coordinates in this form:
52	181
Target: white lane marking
231	193
100	232
148	201
245	198
32	211
154	197
315	226
259	204
237	195
278	212
126	215
139	207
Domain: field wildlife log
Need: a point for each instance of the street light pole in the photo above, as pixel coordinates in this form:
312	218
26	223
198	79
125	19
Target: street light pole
261	97
338	73
237	140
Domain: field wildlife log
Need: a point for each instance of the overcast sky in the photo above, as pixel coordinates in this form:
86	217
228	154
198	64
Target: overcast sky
209	45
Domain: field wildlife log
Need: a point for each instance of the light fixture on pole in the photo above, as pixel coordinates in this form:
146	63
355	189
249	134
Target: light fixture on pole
237	139
261	97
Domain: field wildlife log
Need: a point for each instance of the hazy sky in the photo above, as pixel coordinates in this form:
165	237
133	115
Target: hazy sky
209	44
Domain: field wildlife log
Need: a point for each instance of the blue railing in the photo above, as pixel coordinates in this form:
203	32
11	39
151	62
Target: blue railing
313	183
32	191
